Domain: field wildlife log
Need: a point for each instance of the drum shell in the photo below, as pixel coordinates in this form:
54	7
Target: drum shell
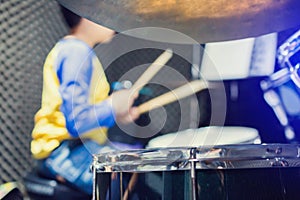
268	171
254	183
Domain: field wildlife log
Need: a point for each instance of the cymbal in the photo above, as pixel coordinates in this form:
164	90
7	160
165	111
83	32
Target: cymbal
203	20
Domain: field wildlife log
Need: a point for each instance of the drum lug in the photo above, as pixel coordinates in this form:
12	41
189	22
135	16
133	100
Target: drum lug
277	151
279	162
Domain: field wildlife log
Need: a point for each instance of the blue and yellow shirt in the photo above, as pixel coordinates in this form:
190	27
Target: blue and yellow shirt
73	98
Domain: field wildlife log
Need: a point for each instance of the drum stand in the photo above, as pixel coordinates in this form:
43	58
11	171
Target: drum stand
272	98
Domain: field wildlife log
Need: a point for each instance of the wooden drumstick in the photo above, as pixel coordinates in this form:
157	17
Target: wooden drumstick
131	185
152	70
174	95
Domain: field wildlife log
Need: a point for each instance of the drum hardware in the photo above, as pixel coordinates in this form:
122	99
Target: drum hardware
279	162
288	49
295	75
272	97
287	56
193	161
227	157
280	86
278	150
121	186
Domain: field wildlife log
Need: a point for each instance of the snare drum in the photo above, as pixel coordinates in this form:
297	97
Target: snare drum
212	135
255	171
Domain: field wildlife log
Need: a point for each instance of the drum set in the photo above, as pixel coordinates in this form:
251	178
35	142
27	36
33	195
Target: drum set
213	162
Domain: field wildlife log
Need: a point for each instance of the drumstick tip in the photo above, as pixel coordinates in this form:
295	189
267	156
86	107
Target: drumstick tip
169	50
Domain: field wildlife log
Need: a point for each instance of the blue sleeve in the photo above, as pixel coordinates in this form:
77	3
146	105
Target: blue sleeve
74	73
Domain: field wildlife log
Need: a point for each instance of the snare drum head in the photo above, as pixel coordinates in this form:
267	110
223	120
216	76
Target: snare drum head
210	136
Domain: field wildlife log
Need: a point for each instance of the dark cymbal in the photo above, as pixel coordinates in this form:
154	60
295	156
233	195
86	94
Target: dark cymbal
203	20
